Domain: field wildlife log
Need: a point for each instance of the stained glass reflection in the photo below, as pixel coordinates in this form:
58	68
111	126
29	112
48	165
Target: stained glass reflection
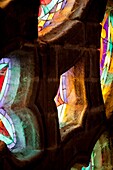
7	130
5	75
48	11
106	61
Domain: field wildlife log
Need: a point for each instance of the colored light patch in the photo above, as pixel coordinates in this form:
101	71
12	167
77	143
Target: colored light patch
3	86
105	50
47	12
2	76
64	3
58	100
63	87
5	74
62	113
41	23
91	163
106	61
103	33
47	23
64	98
48	8
45	2
50	16
61	99
3	129
7	131
54	9
45	17
104	41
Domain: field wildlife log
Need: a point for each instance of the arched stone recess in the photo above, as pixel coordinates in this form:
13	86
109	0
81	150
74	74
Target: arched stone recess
75	42
22	129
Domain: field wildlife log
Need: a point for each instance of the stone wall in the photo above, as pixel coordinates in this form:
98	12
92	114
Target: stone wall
73	42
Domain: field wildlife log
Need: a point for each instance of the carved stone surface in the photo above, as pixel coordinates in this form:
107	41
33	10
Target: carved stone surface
57	53
18	23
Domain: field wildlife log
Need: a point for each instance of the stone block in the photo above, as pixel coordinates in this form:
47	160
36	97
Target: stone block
93	33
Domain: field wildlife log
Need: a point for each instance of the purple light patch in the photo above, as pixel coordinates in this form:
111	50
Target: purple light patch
63	4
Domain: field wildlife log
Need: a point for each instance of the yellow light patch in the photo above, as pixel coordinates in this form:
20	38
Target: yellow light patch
103	33
111	66
50	16
111	31
41	23
105	92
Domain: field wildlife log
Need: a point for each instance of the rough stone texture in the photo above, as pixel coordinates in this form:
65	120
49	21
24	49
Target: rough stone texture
75	40
18	20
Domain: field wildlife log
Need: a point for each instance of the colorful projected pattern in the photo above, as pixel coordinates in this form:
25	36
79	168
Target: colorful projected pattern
7	131
5	75
66	98
61	98
49	10
106	56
